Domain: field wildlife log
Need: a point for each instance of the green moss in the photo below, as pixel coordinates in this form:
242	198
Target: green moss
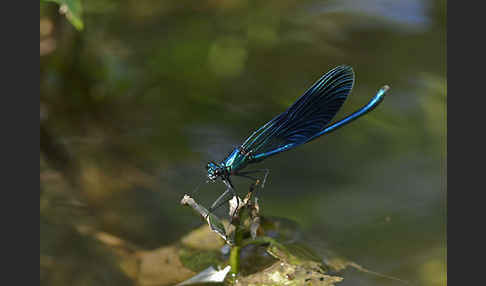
198	260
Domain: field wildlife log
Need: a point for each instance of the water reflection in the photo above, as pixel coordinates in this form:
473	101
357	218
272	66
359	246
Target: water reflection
411	16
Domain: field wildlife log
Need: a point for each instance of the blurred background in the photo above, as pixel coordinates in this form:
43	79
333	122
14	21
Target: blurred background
136	97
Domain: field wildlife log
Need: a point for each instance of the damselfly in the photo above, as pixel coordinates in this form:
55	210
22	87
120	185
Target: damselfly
305	120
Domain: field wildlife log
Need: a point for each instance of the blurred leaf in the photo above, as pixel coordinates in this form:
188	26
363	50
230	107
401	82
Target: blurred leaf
202	239
197	260
227	57
161	266
434	272
433	101
72	9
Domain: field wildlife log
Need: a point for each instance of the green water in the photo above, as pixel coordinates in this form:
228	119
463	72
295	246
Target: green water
135	104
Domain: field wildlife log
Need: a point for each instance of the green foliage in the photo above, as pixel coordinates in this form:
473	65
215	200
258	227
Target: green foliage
73	10
198	260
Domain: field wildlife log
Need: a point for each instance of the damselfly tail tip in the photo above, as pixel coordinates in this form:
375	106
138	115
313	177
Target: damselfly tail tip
385	88
382	92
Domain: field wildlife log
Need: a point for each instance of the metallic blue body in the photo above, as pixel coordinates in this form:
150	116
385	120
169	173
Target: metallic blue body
305	120
235	161
380	95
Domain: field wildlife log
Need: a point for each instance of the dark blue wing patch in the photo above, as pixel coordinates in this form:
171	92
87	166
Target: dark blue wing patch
310	114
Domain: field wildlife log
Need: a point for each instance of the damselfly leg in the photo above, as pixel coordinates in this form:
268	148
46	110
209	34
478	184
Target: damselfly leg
230	190
222	199
246	174
225	197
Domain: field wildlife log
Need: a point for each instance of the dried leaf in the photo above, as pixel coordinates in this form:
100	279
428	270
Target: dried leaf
284	273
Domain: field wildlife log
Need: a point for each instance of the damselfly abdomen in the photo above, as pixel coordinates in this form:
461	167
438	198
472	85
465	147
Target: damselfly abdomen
305	120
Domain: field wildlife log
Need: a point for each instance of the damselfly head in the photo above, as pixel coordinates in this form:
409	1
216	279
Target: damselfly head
214	171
